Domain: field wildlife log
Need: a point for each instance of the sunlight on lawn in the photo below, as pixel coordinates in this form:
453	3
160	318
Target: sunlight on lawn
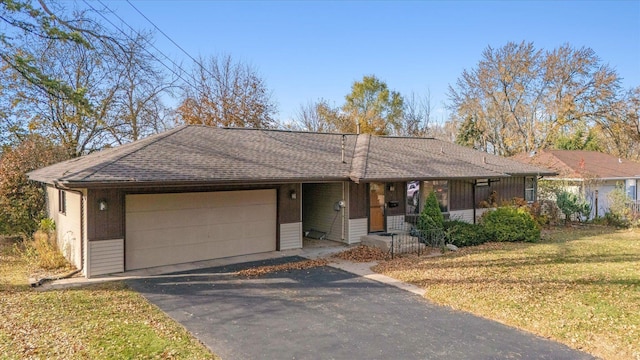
578	286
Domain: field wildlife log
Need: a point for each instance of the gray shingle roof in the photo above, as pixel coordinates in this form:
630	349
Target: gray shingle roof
194	154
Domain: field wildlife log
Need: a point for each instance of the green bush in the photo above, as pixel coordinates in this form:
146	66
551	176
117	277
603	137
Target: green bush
572	204
510	224
431	216
461	233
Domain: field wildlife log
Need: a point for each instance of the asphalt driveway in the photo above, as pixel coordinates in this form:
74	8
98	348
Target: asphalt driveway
326	313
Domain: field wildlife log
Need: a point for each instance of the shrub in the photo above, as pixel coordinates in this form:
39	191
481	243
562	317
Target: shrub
42	252
431	216
461	233
571	204
510	224
47	225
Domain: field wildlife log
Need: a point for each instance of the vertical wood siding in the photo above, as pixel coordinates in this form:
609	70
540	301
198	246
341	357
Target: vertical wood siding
107	224
460	194
399	194
358	201
289	209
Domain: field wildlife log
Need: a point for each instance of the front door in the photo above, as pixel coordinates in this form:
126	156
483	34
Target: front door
376	207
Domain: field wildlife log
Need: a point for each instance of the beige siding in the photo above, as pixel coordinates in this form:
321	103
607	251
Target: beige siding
462	215
318	209
357	229
105	257
68	225
291	236
163	229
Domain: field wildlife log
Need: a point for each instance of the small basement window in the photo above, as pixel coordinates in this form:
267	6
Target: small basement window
62	201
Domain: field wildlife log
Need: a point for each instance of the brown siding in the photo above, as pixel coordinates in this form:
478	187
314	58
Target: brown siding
506	189
289	209
397	195
107	224
460	194
357	201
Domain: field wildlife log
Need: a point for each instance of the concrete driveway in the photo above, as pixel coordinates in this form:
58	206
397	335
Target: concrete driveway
327	313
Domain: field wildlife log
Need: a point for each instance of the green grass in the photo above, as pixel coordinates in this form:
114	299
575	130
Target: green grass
95	322
579	286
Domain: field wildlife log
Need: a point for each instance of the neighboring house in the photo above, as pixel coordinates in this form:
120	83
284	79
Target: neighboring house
589	173
196	193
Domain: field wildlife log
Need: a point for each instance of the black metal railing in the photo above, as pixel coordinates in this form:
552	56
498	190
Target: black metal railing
415	241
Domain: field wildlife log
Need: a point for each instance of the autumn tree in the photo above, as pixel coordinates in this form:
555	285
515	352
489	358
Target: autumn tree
224	92
519	98
22	202
372	108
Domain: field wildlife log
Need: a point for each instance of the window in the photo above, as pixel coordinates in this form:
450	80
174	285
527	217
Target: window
630	184
62	201
529	189
417	193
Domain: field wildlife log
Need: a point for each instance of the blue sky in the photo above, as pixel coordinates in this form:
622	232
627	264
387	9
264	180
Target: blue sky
308	50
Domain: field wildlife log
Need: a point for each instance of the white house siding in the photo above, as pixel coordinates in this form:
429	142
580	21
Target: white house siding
291	236
105	257
318	209
357	229
396	223
68	225
462	215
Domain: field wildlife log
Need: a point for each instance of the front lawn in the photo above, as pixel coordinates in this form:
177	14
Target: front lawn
579	286
96	322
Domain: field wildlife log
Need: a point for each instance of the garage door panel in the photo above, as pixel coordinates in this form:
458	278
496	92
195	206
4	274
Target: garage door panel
161	229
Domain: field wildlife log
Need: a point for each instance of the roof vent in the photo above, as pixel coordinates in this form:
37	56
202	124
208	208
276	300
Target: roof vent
484	159
620	160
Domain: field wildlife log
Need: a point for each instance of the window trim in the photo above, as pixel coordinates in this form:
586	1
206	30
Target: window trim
531	189
62	201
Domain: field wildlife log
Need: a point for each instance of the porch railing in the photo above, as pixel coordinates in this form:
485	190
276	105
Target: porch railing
407	239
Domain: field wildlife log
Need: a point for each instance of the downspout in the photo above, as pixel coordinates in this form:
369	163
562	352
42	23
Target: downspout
82	219
43	280
473	196
344	211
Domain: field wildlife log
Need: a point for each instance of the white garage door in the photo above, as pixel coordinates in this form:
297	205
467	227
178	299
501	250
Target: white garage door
164	229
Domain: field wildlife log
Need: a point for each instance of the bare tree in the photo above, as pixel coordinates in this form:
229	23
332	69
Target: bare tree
313	116
417	116
226	93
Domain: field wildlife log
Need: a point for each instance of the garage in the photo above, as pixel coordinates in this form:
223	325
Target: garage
165	229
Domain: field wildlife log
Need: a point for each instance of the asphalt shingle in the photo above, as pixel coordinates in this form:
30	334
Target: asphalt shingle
217	155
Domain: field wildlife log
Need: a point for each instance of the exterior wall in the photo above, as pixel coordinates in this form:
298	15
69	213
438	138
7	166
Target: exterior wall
505	188
68	225
462	215
398	195
460	195
289	209
105	257
397	223
291	236
358	203
357	229
318	209
106	224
